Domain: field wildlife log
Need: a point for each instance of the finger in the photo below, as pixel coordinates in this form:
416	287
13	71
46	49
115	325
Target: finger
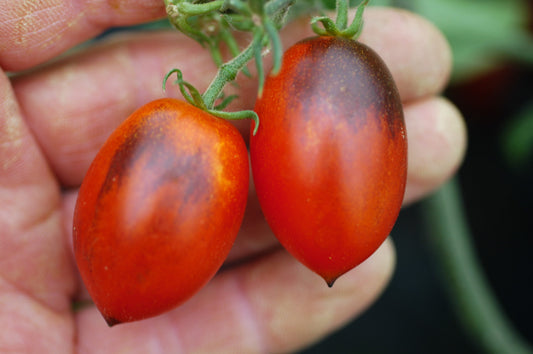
416	52
35	31
36	277
436	134
93	92
33	255
29	327
271	305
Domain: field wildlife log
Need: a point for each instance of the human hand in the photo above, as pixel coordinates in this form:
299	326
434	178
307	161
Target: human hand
54	118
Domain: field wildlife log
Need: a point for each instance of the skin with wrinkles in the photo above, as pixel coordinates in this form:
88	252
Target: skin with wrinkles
47	28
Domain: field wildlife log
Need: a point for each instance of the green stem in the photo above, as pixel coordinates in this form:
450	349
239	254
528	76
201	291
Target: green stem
475	304
226	73
233	47
272	14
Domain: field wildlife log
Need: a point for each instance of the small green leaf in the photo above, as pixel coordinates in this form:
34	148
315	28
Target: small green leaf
330	29
237	116
189	92
354	31
342	14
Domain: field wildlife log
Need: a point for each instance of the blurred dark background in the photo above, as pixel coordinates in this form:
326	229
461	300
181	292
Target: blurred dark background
493	87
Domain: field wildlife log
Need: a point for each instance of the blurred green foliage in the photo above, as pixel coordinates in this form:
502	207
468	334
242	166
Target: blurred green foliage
517	138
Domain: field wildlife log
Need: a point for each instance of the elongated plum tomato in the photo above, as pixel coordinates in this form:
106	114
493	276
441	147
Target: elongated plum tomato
329	159
159	209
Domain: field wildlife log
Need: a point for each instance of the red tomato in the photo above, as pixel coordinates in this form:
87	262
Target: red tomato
329	159
159	209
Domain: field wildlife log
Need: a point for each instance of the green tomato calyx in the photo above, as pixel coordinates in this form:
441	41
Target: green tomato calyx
340	27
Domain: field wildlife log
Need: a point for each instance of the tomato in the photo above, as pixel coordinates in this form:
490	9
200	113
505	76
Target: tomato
329	159
159	209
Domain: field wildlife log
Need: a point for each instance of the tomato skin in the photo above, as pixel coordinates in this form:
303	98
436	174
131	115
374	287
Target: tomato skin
329	160
159	209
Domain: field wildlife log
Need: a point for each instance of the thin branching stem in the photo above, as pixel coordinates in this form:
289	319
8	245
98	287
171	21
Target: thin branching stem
226	73
474	302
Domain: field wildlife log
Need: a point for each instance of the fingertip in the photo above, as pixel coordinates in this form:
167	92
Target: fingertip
437	144
415	50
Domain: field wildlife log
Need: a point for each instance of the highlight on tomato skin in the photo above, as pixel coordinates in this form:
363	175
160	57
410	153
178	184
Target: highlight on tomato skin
159	209
329	159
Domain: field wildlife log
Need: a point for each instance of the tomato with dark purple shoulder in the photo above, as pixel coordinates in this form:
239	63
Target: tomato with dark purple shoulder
159	209
329	159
